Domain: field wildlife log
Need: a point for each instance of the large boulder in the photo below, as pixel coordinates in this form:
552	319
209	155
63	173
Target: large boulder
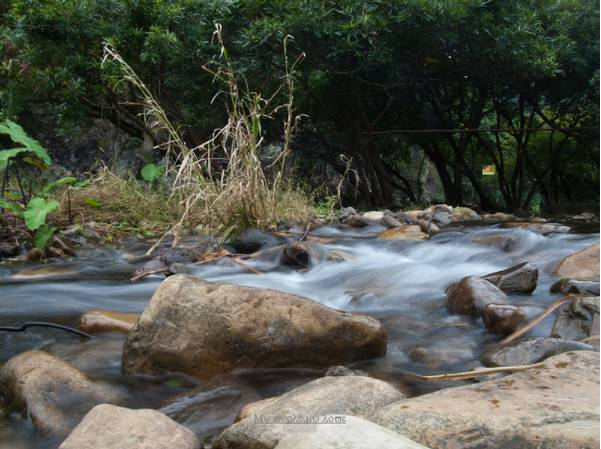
100	321
531	351
555	406
465	214
110	427
520	278
345	395
471	295
346	432
204	329
252	240
50	391
582	266
578	320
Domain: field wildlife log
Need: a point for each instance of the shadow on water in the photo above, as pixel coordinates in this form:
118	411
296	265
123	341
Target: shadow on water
400	283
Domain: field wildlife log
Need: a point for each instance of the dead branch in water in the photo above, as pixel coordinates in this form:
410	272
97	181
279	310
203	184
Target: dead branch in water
477	373
528	326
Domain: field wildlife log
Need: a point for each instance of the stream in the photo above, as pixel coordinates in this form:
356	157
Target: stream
401	283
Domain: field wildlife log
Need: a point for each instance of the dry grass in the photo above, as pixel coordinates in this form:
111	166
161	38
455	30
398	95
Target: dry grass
239	196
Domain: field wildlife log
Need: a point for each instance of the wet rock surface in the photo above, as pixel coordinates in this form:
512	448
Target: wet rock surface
574	286
521	278
100	321
111	427
578	320
471	295
503	319
581	266
204	329
531	351
527	410
253	240
50	392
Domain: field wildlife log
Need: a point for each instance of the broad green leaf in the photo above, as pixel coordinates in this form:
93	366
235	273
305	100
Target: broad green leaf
11	206
59	182
18	135
42	235
36	212
151	172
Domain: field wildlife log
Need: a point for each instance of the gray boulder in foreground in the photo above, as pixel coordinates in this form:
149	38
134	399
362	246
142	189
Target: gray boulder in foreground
111	427
270	421
352	433
553	407
204	329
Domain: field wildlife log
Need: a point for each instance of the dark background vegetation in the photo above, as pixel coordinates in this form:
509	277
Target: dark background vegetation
394	86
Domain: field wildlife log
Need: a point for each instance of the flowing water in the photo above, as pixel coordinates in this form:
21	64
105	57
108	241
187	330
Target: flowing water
400	283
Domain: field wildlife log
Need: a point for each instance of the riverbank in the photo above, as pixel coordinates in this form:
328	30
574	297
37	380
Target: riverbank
368	267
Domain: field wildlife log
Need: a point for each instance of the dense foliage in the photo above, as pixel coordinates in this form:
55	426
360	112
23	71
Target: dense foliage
381	82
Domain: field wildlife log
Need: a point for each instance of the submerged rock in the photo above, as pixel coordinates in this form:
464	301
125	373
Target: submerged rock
436	357
581	266
578	320
531	351
204	329
471	295
110	427
542	228
339	370
574	286
352	395
404	232
209	408
99	321
252	240
298	254
521	278
504	242
346	432
503	319
50	391
556	406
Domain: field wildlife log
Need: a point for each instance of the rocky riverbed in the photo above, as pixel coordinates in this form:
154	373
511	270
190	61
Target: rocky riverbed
311	338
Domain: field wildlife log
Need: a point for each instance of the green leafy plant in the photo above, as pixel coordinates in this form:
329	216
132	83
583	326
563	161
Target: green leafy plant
152	172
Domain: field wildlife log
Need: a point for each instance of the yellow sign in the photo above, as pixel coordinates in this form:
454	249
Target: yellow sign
489	170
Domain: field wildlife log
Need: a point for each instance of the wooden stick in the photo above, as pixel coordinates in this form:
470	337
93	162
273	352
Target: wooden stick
148	273
524	329
478	373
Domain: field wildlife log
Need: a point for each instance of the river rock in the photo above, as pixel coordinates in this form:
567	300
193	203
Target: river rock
110	427
578	319
465	214
555	406
438	356
504	242
531	351
204	329
99	321
352	395
498	216
50	391
542	228
404	232
298	254
46	272
503	319
346	432
520	278
574	286
581	266
442	218
471	295
374	215
390	222
252	240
